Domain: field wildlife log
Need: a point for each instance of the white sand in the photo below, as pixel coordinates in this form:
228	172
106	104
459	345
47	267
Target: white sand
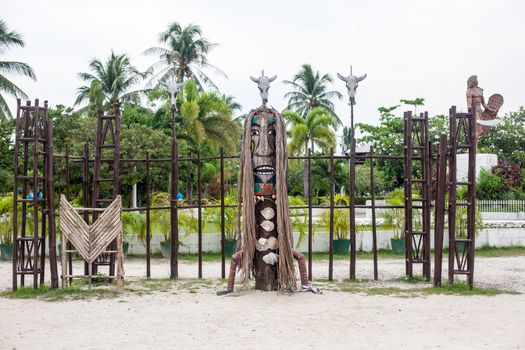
264	320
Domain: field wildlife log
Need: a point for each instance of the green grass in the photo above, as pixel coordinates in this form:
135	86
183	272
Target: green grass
408	279
503	251
464	289
47	293
138	286
458	289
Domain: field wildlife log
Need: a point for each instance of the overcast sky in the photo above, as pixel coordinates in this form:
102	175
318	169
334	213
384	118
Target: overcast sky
408	48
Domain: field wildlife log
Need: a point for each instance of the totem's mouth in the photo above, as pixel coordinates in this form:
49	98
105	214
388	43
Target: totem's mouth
264	170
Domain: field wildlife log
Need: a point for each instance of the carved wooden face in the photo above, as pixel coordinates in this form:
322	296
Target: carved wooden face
263	153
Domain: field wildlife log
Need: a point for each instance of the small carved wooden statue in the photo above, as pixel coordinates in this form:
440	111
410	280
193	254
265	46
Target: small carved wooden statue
486	119
266	237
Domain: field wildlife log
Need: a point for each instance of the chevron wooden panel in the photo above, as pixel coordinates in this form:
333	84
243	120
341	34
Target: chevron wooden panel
91	240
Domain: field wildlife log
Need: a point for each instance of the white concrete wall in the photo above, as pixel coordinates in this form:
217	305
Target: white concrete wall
483	161
503	216
494	237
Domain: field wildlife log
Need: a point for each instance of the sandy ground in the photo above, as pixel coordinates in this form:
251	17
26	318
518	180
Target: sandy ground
263	320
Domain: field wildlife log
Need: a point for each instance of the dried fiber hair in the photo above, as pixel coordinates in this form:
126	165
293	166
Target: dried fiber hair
246	205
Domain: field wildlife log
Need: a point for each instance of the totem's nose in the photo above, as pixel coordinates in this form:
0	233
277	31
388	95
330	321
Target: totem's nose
264	146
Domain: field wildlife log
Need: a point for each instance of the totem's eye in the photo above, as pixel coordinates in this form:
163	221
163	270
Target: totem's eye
255	132
271	132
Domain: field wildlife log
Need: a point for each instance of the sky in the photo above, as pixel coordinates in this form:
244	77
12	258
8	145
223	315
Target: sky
408	48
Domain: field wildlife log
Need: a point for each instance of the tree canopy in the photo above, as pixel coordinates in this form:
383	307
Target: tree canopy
114	79
310	91
184	57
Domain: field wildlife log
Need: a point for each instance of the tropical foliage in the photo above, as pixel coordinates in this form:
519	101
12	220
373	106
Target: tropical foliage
8	39
506	139
230	214
206	116
387	137
462	216
6	159
314	129
6	219
395	217
341	221
299	219
503	181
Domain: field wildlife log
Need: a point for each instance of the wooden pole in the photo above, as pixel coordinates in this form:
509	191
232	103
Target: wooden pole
440	209
471	223
64	261
223	233
148	217
174	264
408	192
120	258
15	197
51	204
42	186
36	252
86	203
352	210
331	248
373	202
68	179
199	212
452	195
428	205
310	233
116	181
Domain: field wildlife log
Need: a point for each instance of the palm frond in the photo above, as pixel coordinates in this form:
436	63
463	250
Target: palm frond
17	68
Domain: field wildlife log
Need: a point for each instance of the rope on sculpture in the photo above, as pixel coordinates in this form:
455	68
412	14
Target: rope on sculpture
248	236
286	271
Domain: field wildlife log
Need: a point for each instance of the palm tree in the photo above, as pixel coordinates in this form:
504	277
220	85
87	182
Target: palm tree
8	39
205	117
234	105
314	129
310	91
114	78
321	177
184	57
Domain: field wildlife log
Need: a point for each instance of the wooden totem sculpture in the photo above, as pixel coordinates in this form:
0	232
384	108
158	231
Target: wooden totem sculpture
266	237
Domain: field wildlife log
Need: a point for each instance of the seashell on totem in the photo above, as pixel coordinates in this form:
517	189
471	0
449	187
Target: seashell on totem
272	243
267	225
271	258
261	244
268	213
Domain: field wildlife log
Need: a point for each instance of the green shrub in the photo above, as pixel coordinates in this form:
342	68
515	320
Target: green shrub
489	185
341	217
